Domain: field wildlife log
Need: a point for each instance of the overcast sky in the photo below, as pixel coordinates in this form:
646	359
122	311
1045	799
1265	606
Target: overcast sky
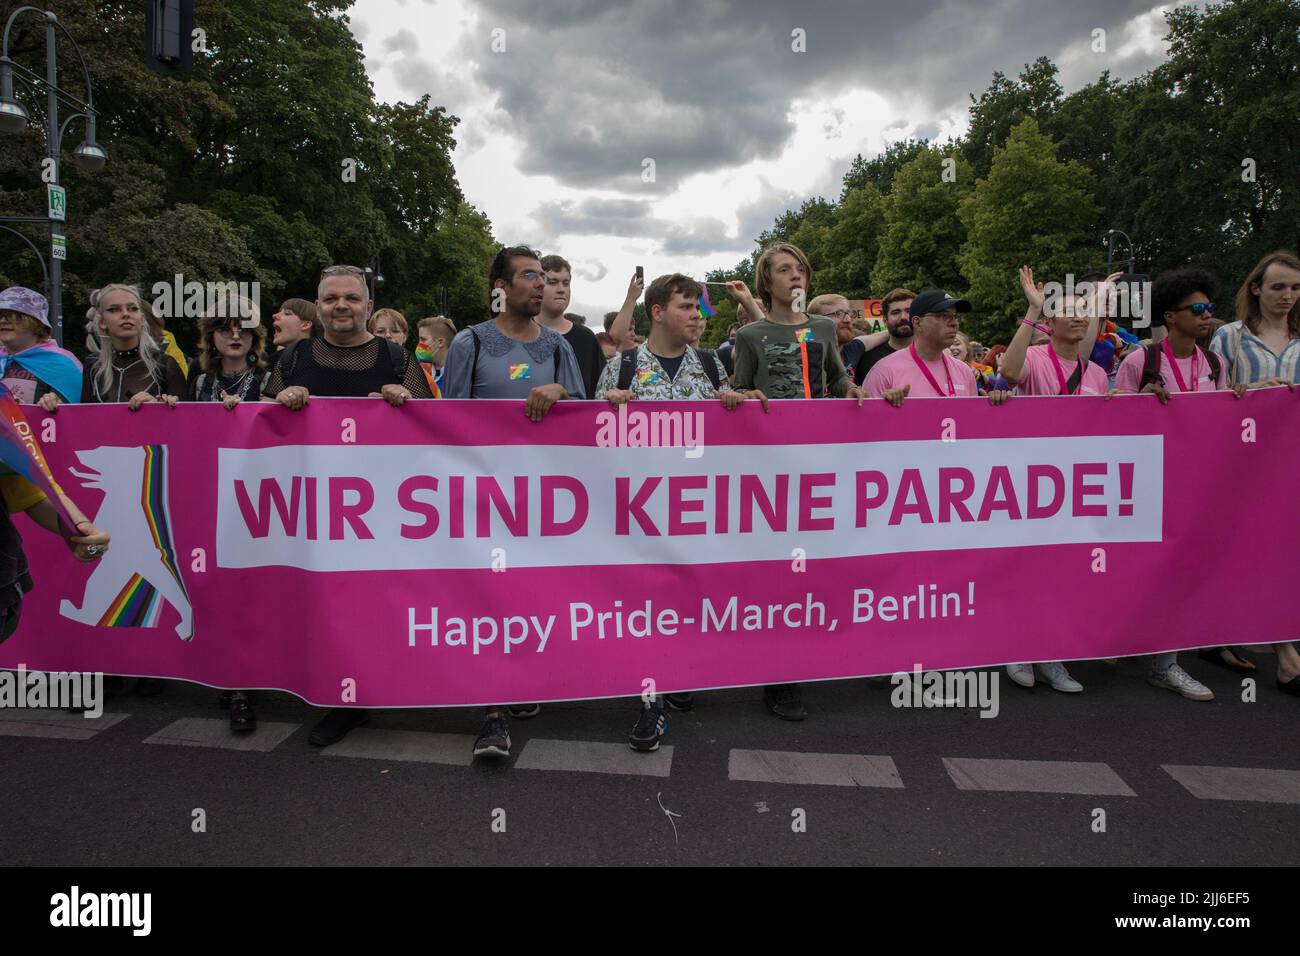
556	127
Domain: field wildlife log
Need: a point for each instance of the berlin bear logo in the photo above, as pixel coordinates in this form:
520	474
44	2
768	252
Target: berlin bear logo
139	571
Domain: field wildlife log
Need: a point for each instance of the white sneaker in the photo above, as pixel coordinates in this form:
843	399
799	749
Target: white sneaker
1178	680
1022	674
1055	674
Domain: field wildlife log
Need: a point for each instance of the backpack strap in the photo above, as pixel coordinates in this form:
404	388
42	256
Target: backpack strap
626	368
708	358
396	357
473	368
1215	366
1150	367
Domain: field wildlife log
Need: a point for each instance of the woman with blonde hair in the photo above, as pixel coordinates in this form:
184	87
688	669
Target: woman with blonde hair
389	324
128	365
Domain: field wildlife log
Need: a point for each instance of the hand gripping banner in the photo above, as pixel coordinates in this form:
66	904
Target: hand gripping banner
452	553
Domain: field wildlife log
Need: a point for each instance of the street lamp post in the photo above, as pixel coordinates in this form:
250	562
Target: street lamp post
89	156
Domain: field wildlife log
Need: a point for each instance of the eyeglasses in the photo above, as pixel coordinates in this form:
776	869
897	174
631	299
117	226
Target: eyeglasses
839	314
343	271
951	317
530	276
1197	309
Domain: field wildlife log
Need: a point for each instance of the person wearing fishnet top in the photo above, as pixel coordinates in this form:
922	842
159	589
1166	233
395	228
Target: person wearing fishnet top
347	361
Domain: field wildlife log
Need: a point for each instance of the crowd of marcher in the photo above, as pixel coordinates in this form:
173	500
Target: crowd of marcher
531	350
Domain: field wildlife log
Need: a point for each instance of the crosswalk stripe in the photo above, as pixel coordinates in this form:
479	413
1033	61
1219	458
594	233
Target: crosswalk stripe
1036	776
210	732
416	746
591	756
833	770
1238	783
56	724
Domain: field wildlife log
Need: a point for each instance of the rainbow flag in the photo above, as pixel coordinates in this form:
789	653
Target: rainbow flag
20	450
706	307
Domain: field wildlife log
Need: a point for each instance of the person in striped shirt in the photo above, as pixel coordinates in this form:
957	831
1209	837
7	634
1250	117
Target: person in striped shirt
1262	349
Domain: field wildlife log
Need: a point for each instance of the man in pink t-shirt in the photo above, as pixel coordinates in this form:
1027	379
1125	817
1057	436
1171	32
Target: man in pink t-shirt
1060	366
925	368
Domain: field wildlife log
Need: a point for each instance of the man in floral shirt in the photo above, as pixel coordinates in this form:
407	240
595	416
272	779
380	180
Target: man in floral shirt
668	367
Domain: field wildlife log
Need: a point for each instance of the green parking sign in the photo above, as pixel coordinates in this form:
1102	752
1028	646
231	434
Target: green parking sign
59	247
58	202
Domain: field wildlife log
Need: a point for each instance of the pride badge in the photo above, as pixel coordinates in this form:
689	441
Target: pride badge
520	370
803	335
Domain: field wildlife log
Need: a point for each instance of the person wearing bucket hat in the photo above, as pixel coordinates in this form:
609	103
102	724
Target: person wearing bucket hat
32	366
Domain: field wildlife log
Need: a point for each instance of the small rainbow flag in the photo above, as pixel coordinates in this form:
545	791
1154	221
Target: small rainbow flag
706	307
20	450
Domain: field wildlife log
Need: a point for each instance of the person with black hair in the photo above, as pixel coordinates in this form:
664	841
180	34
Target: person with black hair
512	356
1183	299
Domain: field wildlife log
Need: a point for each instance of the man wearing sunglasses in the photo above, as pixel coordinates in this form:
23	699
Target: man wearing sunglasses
1183	300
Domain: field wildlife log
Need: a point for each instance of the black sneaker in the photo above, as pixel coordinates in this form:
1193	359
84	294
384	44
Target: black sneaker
650	726
784	701
335	725
494	739
680	701
242	718
524	711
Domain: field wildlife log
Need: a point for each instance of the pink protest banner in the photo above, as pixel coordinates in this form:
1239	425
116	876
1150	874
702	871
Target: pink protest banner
455	553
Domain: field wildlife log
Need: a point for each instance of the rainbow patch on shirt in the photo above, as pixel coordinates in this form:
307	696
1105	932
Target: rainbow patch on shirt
520	370
647	376
804	335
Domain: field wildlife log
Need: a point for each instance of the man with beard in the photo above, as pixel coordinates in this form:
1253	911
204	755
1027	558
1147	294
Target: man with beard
344	361
895	308
512	356
852	349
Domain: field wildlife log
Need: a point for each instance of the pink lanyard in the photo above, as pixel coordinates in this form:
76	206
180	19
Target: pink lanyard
926	372
1060	372
1178	375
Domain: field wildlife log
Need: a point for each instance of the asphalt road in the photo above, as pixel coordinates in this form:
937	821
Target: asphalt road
924	796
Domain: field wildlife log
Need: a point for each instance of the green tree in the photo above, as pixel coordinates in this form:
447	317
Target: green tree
922	233
1005	104
852	243
1032	209
879	171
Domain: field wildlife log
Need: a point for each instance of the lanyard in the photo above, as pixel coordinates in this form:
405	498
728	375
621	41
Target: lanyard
1060	372
926	371
1178	375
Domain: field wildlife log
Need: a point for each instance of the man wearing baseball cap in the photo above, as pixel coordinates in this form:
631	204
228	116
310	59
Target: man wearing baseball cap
32	367
925	367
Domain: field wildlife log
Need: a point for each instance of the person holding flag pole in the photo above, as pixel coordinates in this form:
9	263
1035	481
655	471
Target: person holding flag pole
26	484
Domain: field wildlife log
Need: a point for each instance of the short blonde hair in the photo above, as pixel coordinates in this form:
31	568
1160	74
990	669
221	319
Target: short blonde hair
441	326
763	269
398	319
825	299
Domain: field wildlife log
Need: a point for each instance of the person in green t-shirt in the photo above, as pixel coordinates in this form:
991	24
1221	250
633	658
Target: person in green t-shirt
788	354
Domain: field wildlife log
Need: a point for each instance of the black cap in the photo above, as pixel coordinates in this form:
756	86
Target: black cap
936	300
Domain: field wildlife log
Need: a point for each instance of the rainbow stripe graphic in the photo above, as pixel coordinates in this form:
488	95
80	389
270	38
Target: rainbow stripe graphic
804	335
423	353
139	604
520	370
